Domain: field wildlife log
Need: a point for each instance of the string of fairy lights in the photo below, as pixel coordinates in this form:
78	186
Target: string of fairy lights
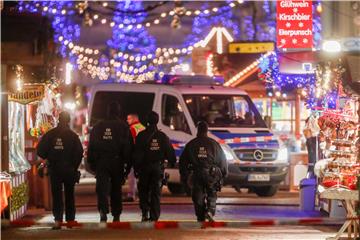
95	17
127	65
87	59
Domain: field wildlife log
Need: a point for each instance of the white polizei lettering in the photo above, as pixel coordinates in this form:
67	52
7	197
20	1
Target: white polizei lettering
107	134
202	153
59	144
154	145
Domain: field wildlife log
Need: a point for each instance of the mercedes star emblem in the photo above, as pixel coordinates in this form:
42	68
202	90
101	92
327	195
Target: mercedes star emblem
258	155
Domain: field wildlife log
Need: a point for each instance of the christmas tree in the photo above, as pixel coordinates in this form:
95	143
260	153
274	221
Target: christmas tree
132	46
204	22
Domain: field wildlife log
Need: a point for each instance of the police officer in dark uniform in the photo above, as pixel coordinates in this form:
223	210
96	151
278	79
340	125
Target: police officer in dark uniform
152	148
204	162
109	157
63	151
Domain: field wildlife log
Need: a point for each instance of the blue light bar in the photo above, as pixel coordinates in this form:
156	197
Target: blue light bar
191	80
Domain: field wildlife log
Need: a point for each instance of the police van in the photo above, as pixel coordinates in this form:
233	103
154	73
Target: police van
254	158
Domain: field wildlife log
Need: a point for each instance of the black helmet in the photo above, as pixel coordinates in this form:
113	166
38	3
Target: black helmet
202	128
64	118
153	118
113	110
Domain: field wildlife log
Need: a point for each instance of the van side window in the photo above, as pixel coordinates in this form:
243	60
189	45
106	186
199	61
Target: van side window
172	114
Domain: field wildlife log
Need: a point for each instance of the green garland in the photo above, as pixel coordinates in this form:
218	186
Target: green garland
19	197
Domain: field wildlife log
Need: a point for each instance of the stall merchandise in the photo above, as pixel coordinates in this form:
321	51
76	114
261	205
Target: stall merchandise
47	112
340	167
5	189
338	140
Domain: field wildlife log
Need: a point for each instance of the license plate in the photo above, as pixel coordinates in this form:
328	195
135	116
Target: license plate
259	178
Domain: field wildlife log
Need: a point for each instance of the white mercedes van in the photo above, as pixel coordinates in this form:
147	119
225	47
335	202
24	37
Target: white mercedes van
254	158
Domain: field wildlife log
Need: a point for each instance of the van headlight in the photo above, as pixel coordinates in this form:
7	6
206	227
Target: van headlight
283	155
229	154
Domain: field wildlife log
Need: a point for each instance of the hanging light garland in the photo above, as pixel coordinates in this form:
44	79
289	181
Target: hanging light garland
177	12
329	83
320	89
92	62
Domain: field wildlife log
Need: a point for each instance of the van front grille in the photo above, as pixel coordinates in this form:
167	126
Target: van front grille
248	154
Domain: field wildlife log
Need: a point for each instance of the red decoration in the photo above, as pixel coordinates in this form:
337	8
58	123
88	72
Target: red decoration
294	24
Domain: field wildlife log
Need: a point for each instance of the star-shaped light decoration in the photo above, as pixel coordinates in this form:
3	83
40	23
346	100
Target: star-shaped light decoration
305	40
294	41
295	10
288	24
283	41
301	24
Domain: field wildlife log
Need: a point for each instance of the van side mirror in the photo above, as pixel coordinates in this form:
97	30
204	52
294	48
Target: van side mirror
268	121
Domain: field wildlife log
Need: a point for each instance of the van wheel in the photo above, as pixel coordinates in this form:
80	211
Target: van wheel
176	188
266	191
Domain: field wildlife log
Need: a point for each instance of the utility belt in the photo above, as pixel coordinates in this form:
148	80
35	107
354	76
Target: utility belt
211	176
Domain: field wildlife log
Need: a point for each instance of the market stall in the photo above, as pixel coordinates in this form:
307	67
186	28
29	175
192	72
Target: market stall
32	111
339	167
18	165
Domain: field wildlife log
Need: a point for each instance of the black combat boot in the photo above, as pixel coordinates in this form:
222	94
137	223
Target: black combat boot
145	216
209	216
116	218
103	217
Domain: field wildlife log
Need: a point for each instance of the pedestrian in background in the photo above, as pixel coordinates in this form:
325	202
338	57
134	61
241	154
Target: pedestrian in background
204	162
135	128
311	132
62	149
109	157
152	148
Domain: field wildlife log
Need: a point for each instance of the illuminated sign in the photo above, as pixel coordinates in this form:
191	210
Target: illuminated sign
30	93
294	24
253	47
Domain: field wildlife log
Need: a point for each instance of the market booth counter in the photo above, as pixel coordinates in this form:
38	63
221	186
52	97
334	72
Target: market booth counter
349	198
31	112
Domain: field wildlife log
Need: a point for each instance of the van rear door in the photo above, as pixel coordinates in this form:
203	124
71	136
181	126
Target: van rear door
130	101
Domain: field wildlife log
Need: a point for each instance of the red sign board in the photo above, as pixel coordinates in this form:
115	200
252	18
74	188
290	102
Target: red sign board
294	24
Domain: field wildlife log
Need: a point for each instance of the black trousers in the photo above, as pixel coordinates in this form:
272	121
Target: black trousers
58	181
204	198
311	147
149	188
108	182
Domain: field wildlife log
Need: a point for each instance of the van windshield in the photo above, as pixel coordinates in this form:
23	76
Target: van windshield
224	110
